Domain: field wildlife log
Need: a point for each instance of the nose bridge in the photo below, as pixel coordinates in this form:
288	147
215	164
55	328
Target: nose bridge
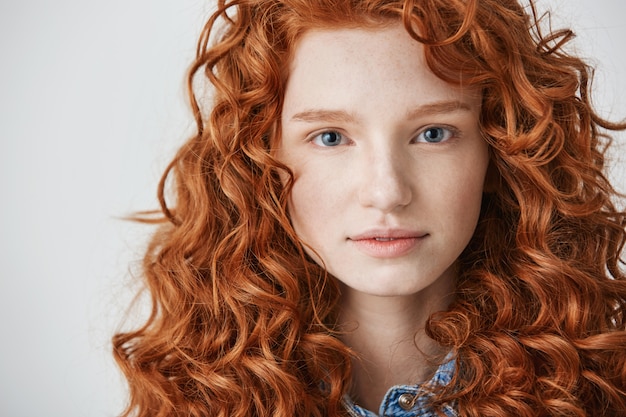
385	183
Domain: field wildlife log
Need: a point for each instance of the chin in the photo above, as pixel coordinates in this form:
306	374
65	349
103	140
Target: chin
385	288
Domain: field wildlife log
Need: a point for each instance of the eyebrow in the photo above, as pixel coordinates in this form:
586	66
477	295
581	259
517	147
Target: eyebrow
440	107
324	115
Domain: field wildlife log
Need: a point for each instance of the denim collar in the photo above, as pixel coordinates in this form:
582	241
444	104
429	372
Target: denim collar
409	400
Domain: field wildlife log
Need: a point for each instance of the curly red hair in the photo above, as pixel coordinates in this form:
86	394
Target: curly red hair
243	322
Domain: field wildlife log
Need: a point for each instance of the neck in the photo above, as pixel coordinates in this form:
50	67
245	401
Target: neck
387	333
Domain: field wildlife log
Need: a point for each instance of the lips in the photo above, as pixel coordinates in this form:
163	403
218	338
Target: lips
387	243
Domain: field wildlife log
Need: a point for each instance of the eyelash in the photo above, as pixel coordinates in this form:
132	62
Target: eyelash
317	138
449	133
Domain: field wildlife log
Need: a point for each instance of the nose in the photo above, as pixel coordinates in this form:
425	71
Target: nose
385	183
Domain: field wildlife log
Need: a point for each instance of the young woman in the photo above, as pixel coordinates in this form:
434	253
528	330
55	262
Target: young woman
390	208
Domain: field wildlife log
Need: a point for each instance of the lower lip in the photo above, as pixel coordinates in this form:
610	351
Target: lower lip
387	248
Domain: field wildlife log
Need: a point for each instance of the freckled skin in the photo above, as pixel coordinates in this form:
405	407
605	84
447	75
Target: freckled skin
405	162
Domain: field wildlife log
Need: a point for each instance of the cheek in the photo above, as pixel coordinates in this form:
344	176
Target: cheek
460	196
311	217
316	206
468	206
469	200
305	206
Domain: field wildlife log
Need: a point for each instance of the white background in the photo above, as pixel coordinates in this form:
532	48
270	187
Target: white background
92	106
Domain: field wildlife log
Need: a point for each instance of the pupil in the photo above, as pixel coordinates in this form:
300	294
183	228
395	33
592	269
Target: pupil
330	138
433	134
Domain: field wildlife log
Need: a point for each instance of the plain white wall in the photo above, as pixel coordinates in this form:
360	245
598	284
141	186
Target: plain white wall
91	108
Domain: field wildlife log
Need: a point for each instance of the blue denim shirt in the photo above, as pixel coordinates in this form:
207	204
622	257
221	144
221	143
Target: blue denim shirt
399	398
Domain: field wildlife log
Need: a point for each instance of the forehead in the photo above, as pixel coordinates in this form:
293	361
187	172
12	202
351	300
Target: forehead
357	67
354	43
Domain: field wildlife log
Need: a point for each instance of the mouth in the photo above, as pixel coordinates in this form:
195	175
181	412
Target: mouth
388	235
388	244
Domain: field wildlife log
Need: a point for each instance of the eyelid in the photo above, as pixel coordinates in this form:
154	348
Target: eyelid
454	133
314	135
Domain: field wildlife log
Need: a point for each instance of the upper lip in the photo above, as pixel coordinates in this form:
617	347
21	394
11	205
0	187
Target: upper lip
388	234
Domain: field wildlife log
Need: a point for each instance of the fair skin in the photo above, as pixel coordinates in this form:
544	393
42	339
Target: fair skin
389	167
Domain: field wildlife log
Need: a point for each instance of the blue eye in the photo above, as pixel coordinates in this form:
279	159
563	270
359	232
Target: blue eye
328	138
434	135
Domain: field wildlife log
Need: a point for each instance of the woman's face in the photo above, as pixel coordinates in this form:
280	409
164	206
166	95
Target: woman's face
388	160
